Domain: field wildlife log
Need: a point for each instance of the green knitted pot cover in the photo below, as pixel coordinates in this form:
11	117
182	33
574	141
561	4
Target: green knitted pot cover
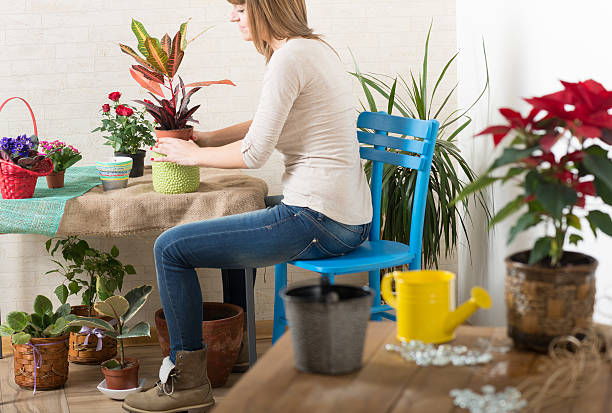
170	178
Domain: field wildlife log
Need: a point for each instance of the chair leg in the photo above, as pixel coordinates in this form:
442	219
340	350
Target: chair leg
374	279
330	277
250	315
280	282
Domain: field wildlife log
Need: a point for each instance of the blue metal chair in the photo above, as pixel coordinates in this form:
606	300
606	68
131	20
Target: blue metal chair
376	254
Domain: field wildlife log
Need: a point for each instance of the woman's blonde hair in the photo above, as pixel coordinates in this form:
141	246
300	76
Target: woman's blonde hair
276	19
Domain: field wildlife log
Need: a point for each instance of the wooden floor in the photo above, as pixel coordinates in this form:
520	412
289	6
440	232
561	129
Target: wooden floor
80	394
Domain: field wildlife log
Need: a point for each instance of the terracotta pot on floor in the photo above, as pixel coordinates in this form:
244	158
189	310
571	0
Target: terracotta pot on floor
123	379
221	330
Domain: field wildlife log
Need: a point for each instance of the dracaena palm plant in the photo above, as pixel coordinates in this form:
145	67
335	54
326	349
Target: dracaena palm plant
159	62
409	97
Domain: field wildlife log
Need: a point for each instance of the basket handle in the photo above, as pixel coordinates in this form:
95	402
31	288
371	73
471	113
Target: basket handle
29	108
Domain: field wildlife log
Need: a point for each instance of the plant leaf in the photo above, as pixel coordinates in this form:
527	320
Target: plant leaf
540	250
157	57
510	208
183	34
600	220
42	305
575	239
21	338
129	51
166	44
112	364
176	55
141	329
528	220
114	306
62	293
596	162
6	330
141	35
149	75
152	87
136	298
17	320
92	322
212	82
62	311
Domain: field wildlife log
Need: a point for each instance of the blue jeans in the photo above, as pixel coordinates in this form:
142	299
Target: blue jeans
254	239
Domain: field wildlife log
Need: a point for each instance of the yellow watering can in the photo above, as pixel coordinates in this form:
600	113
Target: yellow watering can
425	304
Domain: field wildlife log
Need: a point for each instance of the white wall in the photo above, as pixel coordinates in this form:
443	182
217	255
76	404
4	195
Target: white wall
531	45
62	56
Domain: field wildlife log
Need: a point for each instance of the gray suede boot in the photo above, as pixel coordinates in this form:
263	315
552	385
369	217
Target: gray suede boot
183	386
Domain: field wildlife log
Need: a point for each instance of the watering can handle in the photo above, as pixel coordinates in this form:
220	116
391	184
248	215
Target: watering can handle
29	108
385	289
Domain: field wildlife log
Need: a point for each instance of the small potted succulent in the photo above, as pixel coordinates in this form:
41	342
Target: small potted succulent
63	157
20	166
559	158
93	274
122	373
40	344
128	131
156	70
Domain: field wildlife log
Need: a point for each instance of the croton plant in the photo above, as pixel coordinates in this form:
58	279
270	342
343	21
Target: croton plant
559	158
157	66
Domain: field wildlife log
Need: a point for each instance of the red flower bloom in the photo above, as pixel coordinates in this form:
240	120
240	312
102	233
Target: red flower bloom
114	96
105	107
124	111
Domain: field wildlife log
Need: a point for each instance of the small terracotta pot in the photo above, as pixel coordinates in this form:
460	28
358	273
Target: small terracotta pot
221	330
123	379
184	134
56	179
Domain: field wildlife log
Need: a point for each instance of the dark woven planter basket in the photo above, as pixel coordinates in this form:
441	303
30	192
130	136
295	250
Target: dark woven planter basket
543	302
82	353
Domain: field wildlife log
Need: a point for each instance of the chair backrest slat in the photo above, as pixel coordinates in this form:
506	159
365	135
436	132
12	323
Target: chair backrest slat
398	159
419	159
403	144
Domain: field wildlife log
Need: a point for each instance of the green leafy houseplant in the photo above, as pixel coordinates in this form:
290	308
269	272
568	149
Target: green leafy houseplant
42	323
93	273
442	218
157	66
127	127
121	309
557	160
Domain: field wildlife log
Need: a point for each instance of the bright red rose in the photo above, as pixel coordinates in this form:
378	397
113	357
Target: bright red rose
105	107
124	111
114	96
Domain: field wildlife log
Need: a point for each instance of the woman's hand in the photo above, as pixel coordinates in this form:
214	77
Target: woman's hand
177	151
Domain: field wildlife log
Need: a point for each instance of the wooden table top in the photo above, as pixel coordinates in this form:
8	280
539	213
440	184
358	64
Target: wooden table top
387	383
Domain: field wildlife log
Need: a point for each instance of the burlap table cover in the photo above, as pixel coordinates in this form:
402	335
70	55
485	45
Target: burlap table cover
139	209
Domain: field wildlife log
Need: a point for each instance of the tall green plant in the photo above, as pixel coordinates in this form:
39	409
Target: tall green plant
442	219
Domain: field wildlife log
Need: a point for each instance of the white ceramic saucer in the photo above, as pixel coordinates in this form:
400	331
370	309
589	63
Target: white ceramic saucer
119	394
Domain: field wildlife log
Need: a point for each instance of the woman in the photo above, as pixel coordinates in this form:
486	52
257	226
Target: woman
306	112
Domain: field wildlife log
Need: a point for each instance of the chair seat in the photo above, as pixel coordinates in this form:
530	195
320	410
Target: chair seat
369	256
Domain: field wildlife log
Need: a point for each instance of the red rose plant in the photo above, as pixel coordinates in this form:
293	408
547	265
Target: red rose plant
559	157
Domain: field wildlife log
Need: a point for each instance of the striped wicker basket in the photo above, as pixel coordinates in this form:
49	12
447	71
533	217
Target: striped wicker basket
543	303
51	356
82	353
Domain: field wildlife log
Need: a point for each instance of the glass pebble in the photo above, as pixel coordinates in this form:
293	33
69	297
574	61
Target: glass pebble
428	354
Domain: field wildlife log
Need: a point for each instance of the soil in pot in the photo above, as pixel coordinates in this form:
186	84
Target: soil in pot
137	162
56	179
221	330
122	379
544	302
82	353
52	358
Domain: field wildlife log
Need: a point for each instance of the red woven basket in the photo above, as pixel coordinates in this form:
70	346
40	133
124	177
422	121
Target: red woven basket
17	182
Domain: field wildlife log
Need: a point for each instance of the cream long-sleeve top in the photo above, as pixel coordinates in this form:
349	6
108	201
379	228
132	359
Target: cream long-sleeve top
306	112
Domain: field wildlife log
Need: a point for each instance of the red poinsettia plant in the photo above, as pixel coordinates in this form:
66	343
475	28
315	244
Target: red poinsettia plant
159	61
559	157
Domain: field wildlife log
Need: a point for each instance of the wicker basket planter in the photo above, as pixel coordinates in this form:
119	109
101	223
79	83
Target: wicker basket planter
51	356
543	302
82	353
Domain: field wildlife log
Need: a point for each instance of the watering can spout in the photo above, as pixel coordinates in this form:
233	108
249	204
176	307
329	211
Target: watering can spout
479	299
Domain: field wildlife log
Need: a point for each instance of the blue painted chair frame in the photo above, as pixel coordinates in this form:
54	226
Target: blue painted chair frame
376	254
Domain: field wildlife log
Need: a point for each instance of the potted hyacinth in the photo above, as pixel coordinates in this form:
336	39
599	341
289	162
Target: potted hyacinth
128	131
156	70
558	157
122	373
63	156
20	166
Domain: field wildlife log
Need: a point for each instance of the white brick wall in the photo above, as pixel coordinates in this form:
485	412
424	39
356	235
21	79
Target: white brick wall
62	56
